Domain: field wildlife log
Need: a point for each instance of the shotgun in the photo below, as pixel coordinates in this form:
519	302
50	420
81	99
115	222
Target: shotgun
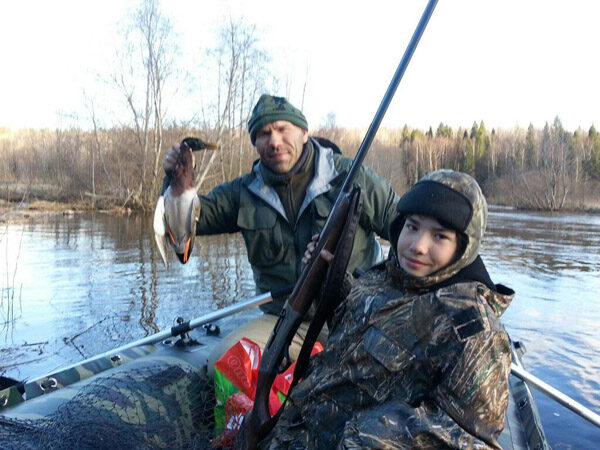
258	422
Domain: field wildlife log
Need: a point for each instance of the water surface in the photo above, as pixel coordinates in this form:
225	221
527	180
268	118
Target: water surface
72	287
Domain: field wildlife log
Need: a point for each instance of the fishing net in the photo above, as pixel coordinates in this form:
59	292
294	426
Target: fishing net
161	405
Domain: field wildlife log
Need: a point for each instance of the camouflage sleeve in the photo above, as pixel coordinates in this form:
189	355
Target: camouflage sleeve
474	387
219	209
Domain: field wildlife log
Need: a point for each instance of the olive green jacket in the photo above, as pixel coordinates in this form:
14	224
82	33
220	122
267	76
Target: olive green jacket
275	246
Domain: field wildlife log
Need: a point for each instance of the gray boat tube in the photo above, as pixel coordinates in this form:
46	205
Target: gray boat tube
555	394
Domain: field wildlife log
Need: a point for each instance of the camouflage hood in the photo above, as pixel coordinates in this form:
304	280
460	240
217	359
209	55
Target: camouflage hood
455	200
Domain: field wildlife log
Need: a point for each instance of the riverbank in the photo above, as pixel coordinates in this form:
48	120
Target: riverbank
588	209
22	212
20	202
16	212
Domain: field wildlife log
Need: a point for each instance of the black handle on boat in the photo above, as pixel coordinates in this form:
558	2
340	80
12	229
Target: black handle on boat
230	310
259	422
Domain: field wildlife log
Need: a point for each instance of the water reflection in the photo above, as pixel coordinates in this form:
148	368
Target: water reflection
84	284
553	262
544	243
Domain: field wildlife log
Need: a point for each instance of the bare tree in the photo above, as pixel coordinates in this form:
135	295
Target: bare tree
555	167
241	71
146	64
548	187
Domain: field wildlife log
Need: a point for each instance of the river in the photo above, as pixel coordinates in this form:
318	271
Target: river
74	286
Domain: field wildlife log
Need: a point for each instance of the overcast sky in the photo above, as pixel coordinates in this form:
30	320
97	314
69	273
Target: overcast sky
506	62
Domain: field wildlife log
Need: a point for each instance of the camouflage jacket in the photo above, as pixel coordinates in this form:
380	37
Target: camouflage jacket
405	370
275	246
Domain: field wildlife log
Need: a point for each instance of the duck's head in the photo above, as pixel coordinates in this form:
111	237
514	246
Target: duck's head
199	144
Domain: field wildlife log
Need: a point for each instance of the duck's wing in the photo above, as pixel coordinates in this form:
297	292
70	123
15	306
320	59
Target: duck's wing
181	214
190	212
190	227
194	215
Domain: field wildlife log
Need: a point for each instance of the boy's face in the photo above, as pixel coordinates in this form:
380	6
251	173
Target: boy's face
424	246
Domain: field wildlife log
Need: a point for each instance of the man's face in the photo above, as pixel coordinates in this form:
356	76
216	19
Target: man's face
425	246
280	144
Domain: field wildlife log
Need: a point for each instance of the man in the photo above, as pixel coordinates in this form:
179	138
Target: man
284	201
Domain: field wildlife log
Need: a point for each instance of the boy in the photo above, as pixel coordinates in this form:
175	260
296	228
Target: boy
416	356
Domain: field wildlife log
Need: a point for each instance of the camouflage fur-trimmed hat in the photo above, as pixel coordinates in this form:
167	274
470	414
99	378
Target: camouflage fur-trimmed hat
269	109
455	200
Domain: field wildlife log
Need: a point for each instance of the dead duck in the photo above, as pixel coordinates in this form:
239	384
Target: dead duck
178	209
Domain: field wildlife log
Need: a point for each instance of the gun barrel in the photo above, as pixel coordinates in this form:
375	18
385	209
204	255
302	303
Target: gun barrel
389	94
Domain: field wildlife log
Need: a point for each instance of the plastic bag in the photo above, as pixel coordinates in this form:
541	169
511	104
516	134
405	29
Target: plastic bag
235	376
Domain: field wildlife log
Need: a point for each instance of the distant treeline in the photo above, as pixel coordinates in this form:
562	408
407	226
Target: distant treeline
547	169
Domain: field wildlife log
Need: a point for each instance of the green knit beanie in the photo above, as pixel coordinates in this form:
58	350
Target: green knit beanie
269	109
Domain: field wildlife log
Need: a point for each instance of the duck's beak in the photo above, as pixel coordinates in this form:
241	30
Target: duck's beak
187	250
